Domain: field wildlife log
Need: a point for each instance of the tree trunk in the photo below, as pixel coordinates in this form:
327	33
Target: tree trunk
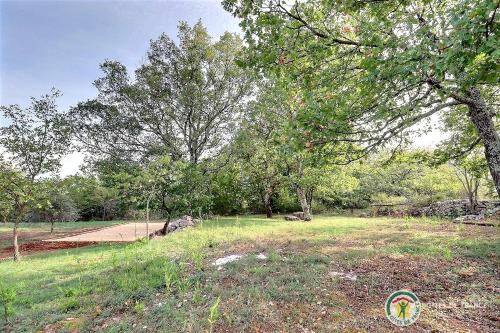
147	215
309	196
472	203
17	255
52	226
482	118
303	203
268	203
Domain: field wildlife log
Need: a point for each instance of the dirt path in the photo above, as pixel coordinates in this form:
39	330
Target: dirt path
120	233
41	246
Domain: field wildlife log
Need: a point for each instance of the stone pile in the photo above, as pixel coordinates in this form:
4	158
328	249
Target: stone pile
183	222
455	208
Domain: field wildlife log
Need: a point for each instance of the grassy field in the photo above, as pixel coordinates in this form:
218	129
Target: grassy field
170	284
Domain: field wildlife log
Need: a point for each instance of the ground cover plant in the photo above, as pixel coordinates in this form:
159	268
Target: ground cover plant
171	285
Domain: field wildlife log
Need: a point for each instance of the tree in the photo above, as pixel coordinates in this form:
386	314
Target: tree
184	101
258	142
368	71
159	180
471	171
262	167
35	139
17	191
52	203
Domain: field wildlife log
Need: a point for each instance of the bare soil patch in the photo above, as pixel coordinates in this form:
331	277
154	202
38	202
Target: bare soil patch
31	242
459	294
41	246
456	294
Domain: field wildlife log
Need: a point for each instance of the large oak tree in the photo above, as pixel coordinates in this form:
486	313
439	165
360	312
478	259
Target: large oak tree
369	71
184	101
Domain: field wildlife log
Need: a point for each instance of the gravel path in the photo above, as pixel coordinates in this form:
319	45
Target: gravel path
119	233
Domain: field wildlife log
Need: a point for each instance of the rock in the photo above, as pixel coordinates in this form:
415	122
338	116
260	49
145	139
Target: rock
474	220
185	221
469	218
261	256
300	215
494	212
297	216
224	260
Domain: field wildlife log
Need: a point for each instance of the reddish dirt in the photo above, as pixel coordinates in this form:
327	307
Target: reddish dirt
41	246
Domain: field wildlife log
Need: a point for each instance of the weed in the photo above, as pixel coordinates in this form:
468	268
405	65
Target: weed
68	304
197	298
171	275
139	308
183	285
197	257
214	314
273	257
114	259
7	299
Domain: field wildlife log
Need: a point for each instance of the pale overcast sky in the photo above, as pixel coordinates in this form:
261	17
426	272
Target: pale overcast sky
61	43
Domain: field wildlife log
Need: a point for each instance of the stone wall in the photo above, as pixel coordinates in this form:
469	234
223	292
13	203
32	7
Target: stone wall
453	208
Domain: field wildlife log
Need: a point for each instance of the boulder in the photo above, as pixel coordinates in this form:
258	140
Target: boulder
297	216
185	221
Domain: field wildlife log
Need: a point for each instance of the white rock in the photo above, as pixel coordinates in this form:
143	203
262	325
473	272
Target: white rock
261	256
224	260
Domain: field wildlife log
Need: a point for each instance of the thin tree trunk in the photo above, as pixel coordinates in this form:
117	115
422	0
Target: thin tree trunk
303	203
17	255
268	203
482	118
52	226
147	214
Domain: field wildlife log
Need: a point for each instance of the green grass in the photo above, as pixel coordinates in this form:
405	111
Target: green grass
170	285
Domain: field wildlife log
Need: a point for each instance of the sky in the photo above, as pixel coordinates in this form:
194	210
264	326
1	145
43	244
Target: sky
45	44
